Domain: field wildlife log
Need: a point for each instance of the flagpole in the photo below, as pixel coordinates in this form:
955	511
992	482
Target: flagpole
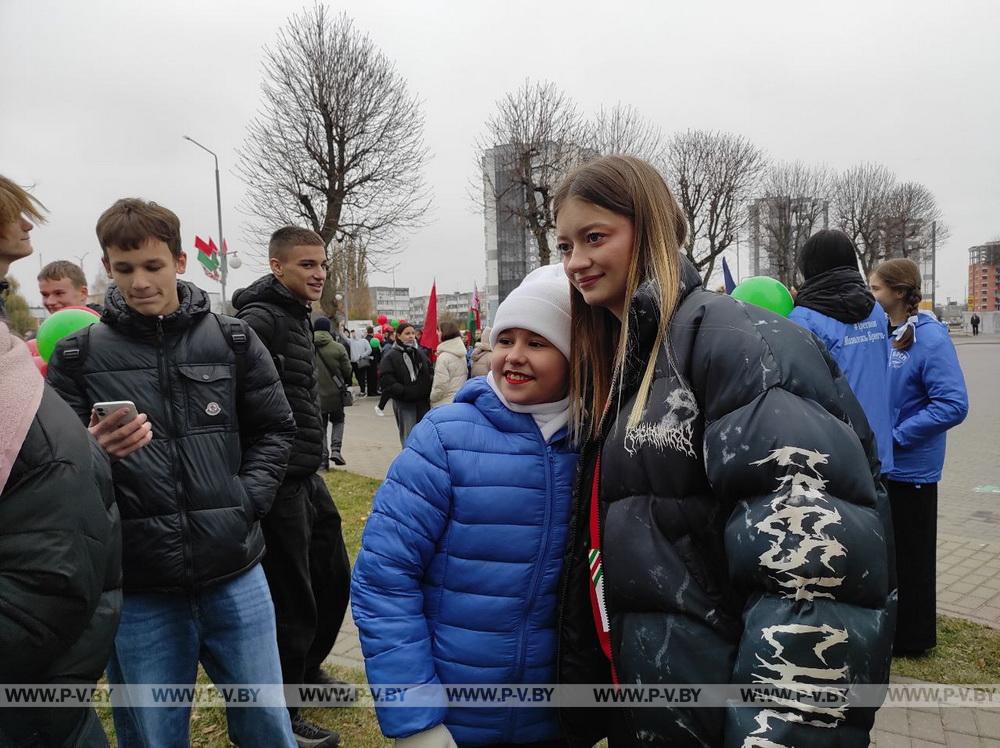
223	263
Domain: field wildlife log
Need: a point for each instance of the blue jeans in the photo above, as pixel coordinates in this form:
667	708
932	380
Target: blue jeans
229	628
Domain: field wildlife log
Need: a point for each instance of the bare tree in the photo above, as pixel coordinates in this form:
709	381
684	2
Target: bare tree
794	203
338	142
623	130
535	137
713	175
911	215
860	202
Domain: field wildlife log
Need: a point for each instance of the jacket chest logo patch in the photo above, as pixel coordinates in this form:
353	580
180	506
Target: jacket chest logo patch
213	409
898	358
674	431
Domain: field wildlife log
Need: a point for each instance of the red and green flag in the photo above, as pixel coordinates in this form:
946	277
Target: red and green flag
474	323
208	256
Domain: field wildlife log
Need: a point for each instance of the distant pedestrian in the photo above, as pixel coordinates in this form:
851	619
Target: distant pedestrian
333	364
450	371
927	396
974	321
406	379
836	305
482	353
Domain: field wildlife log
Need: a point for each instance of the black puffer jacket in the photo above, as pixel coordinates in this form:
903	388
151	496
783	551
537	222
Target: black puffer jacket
60	555
742	527
191	500
395	377
282	323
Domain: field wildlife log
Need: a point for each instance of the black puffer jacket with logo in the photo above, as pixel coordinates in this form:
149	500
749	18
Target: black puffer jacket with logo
192	499
743	528
282	323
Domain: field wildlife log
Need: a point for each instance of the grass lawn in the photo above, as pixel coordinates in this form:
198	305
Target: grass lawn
966	652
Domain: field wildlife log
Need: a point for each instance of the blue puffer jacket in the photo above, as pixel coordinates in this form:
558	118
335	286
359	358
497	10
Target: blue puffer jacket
460	559
860	351
928	397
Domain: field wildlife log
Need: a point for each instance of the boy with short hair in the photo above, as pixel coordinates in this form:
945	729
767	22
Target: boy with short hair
306	563
194	473
62	284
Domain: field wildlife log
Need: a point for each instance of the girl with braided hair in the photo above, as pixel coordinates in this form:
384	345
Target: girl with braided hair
927	397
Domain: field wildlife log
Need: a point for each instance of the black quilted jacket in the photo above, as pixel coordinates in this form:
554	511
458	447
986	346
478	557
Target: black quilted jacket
282	323
743	530
191	500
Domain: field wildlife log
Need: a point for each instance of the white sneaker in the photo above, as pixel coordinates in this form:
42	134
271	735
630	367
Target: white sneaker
379	412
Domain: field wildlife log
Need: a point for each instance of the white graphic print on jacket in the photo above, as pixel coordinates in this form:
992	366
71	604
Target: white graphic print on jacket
674	431
800	514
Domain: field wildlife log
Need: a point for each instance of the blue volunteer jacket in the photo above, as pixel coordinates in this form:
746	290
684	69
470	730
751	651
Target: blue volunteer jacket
860	351
457	576
928	397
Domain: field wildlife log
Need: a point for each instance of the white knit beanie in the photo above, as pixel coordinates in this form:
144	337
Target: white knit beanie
540	304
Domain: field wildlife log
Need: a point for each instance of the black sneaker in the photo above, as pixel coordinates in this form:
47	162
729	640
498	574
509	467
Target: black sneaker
338	460
309	735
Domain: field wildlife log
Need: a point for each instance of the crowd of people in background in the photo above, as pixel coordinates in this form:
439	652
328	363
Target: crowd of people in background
579	498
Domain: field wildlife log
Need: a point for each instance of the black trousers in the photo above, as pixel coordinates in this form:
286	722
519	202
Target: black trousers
914	519
308	573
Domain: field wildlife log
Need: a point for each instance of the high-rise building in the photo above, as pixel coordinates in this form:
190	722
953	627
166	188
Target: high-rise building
779	226
511	250
394	303
984	277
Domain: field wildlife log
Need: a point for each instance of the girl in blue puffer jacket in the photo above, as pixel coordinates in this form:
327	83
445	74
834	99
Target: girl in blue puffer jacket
927	397
457	577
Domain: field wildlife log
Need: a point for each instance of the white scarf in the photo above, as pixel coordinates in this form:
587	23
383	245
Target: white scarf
901	330
549	417
408	359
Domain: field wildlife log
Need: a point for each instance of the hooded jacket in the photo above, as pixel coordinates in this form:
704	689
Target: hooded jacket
450	372
839	309
456	579
928	397
743	530
281	321
331	359
191	500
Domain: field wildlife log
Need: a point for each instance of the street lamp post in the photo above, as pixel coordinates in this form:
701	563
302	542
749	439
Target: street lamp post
223	266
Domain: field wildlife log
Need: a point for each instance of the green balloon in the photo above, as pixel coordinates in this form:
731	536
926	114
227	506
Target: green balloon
765	292
375	344
394	323
59	325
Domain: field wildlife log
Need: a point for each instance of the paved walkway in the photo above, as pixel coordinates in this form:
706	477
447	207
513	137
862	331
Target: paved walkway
968	541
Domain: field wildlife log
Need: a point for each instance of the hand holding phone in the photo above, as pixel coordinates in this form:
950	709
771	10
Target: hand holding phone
119	428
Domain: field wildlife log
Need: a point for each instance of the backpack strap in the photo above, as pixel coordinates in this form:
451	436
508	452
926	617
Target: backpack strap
238	338
74	355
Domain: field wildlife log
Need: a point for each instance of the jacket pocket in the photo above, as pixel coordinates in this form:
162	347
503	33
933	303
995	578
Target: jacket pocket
209	396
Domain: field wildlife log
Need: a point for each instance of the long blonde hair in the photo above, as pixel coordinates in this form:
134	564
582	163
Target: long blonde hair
599	345
16	201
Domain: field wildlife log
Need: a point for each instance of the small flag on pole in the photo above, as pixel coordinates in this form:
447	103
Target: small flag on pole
728	276
429	337
208	256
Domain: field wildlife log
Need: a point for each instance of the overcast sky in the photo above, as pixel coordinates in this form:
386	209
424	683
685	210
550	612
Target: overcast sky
97	94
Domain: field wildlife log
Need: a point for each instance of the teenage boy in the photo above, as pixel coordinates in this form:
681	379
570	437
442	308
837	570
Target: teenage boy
306	563
62	284
194	473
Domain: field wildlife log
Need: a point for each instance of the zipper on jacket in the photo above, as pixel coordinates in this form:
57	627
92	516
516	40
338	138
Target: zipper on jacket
168	401
536	574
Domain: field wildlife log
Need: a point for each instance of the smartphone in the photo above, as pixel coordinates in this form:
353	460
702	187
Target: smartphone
106	409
